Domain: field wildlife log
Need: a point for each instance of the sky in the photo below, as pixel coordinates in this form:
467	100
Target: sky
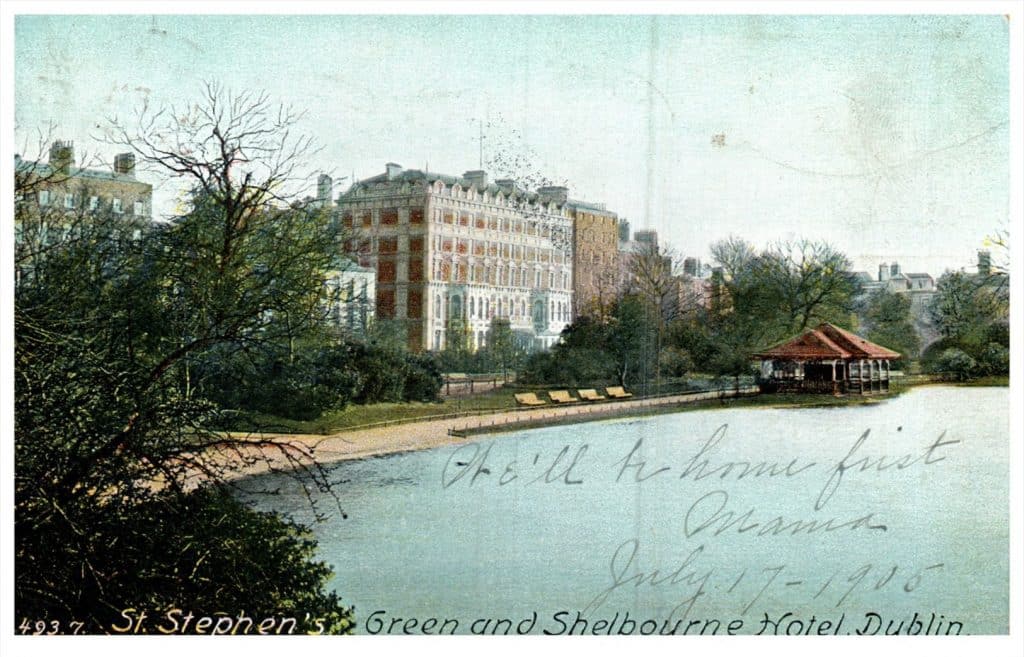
887	136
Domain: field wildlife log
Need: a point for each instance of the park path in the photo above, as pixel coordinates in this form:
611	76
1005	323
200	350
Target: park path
358	443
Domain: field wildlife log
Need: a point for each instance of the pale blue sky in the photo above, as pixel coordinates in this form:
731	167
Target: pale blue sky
887	136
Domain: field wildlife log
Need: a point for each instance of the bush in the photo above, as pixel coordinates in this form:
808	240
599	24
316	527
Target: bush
675	362
423	379
956	362
205	553
996	359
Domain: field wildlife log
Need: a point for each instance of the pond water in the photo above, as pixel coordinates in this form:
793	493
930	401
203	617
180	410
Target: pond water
884	517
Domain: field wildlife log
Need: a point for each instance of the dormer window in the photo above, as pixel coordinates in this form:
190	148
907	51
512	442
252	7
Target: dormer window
94	203
116	206
44	197
69	201
138	209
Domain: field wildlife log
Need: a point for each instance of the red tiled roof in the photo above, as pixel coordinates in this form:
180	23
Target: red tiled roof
860	347
827	342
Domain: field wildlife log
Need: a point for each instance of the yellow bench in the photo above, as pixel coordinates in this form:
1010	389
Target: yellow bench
561	397
618	392
529	399
590	394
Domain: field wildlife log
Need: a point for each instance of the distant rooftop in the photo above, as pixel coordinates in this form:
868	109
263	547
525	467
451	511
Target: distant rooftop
42	169
479	181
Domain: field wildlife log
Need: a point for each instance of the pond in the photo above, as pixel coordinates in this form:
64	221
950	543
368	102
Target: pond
888	517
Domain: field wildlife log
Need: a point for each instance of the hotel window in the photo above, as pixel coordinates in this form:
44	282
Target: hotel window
415	271
414	304
386	304
116	205
94	202
386	271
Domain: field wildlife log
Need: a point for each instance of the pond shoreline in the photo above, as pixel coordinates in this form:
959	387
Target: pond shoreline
384	441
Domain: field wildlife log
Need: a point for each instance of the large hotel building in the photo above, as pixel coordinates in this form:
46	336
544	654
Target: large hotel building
453	252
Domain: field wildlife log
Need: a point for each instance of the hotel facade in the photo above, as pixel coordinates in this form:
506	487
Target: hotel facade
453	252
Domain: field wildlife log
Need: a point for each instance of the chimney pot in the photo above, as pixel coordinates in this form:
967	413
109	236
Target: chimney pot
62	156
478	178
124	164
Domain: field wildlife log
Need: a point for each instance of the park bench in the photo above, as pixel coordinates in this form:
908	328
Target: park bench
618	392
561	397
589	394
528	399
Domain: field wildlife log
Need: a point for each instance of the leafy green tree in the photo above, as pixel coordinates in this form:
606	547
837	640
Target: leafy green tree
632	341
965	305
582	357
502	347
971	312
761	298
889	323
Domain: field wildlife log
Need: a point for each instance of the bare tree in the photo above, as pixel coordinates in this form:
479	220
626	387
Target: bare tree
104	425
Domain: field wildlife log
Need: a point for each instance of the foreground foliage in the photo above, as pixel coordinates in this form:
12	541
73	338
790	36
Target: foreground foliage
120	483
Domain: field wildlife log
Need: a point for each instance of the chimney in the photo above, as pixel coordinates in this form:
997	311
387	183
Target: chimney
62	156
623	230
477	178
394	170
648	237
507	184
894	270
883	272
984	263
324	187
553	193
124	164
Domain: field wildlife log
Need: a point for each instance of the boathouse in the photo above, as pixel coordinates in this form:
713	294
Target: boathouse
826	359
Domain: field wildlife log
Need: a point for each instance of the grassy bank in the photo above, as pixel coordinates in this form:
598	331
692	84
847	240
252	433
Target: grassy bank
356	416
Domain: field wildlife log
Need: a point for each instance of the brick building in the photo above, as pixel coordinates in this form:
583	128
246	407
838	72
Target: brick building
54	198
60	185
452	252
595	252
